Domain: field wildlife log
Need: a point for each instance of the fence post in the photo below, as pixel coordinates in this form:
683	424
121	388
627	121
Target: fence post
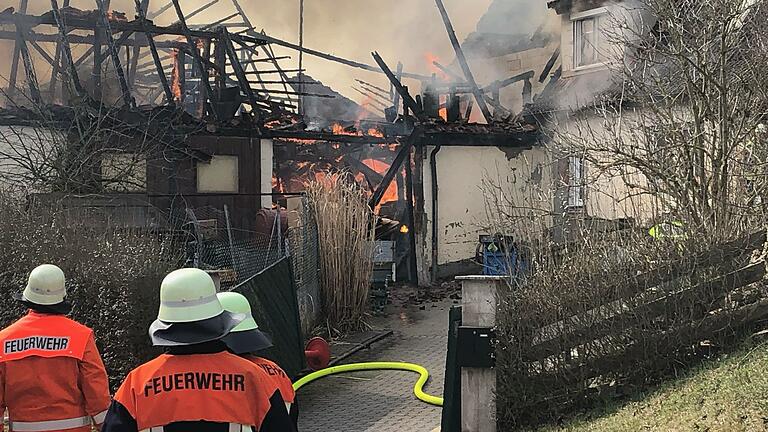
478	385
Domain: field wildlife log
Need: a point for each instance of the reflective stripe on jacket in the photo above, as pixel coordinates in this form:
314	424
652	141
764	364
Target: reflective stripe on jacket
52	377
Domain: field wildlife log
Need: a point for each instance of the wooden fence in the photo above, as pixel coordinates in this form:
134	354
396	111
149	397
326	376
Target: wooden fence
658	321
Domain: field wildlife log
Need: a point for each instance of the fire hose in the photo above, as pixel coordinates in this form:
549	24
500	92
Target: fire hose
418	388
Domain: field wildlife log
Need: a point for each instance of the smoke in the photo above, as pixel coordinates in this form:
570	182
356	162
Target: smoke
400	30
513	17
408	31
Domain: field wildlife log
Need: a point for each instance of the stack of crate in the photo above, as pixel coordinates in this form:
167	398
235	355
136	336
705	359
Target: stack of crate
384	272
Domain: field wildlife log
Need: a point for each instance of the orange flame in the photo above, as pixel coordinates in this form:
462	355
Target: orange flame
176	76
375	132
116	16
382	167
431	59
339	129
443	111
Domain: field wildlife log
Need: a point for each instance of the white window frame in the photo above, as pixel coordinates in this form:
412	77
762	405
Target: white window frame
598	16
576	183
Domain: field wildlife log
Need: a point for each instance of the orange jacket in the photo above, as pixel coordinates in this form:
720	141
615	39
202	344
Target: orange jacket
277	377
216	387
51	375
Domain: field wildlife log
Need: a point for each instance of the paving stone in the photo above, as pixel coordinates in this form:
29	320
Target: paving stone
383	401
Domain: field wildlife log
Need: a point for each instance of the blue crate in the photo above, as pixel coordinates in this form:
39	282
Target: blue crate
500	256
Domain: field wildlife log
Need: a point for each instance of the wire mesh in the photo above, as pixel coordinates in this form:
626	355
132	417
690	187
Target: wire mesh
240	254
304	251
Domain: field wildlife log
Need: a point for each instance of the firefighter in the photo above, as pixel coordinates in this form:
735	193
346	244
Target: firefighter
247	340
197	385
51	374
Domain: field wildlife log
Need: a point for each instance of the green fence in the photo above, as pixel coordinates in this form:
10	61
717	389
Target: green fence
272	294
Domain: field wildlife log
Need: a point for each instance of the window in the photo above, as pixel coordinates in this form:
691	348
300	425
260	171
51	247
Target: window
575	182
588	40
218	175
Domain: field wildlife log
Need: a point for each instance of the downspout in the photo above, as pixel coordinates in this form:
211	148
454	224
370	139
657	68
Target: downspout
433	170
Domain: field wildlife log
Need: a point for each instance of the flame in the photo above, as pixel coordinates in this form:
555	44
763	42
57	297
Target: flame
298	140
382	167
443	113
339	129
176	76
431	59
375	132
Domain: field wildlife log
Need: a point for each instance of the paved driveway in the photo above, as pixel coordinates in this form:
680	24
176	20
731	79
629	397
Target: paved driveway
383	401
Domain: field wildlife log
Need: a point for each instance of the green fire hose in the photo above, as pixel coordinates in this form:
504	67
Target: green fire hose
418	388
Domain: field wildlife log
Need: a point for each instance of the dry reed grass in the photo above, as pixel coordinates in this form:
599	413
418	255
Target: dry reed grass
345	226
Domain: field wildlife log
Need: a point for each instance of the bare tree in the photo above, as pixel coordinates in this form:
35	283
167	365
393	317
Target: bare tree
86	148
682	123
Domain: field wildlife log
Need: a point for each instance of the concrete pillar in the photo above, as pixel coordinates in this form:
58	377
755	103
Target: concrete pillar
267	165
478	385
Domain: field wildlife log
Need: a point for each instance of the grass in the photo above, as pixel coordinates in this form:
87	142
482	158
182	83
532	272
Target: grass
729	394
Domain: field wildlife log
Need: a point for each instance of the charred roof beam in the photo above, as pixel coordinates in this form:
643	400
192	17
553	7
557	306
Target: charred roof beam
245	86
397	164
479	96
29	67
127	99
75	23
65	48
192	47
407	99
155	55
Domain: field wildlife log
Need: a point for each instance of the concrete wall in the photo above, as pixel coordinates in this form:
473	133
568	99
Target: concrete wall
483	190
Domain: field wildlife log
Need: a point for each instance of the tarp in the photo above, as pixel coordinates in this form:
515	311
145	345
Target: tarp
272	294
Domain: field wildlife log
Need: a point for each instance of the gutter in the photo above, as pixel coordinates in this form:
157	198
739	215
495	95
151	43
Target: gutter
433	171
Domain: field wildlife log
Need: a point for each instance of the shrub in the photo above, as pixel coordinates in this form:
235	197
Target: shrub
113	277
345	229
616	310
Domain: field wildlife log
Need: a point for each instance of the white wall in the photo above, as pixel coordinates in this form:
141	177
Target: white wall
470	180
615	193
267	167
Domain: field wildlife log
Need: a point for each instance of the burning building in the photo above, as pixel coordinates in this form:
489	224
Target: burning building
242	131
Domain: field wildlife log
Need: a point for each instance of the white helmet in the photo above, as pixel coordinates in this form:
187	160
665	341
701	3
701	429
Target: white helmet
188	295
246	337
190	312
45	286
